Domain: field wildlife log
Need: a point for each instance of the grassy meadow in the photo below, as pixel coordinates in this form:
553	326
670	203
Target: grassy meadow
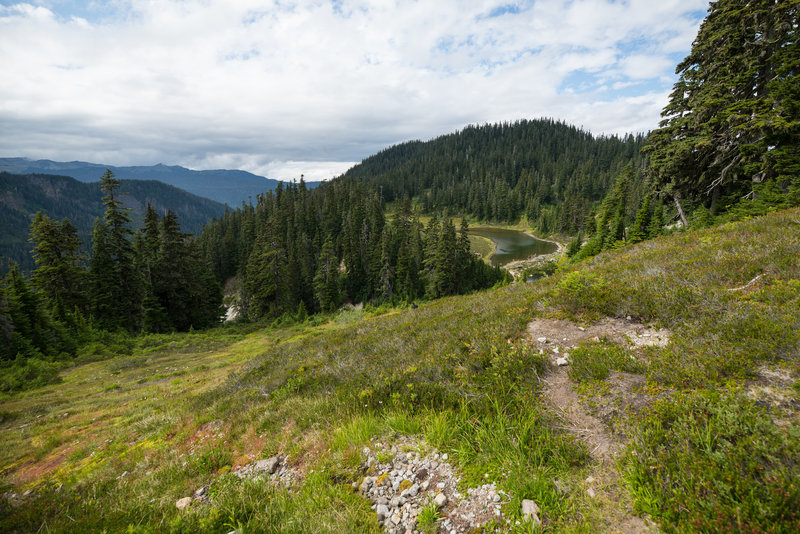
712	446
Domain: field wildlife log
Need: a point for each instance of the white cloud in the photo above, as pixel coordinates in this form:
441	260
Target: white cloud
311	86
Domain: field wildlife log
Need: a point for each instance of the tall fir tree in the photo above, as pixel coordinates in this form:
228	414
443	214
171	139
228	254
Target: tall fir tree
733	118
60	274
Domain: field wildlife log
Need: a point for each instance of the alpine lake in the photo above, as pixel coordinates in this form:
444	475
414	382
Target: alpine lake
512	245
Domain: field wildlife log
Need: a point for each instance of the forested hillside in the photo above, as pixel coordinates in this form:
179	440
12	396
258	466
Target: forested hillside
332	245
21	196
545	170
304	251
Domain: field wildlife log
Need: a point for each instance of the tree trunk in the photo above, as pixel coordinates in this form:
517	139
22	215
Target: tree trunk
680	212
714	199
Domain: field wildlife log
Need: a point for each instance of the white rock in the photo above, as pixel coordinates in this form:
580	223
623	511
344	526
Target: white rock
555	350
440	500
562	362
542	340
182	504
530	511
383	512
590	492
445	457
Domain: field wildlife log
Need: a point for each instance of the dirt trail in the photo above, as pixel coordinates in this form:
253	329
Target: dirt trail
557	337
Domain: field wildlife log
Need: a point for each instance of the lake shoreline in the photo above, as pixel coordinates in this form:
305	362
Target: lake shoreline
514	245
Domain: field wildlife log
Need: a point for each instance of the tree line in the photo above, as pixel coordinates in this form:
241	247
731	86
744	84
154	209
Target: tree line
303	251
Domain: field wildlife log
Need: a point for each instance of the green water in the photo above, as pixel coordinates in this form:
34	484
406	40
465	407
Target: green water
512	245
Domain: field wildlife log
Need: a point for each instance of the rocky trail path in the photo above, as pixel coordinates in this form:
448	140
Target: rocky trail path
557	337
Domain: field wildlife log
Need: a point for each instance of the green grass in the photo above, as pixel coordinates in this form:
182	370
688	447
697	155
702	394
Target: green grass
178	412
594	361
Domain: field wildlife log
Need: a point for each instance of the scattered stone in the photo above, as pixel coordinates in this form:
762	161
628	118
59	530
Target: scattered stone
402	486
182	504
562	362
276	469
200	492
542	340
383	512
590	492
269	465
530	511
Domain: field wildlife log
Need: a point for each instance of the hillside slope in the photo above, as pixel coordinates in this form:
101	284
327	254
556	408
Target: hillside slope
230	187
345	415
21	196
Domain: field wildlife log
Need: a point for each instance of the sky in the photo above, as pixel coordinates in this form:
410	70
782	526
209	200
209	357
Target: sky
282	88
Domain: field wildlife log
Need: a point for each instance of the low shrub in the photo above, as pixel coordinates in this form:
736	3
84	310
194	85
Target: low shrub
28	373
596	360
582	292
715	462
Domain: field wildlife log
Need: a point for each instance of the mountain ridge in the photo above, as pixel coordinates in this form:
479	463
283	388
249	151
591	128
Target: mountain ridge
22	195
226	186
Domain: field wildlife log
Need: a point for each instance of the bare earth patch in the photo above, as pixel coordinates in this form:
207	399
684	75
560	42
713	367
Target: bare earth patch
772	388
557	337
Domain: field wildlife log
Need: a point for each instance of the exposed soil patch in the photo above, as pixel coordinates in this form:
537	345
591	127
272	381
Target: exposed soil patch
564	334
34	471
623	391
773	389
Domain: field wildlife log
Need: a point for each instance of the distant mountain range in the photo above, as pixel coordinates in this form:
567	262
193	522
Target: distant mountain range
230	187
21	196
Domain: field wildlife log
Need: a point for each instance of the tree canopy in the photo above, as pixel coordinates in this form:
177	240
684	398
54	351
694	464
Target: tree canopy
733	119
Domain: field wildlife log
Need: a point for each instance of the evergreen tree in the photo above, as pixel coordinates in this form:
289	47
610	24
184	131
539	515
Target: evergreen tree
266	275
146	244
59	275
639	231
444	274
656	226
735	111
32	331
116	287
327	280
